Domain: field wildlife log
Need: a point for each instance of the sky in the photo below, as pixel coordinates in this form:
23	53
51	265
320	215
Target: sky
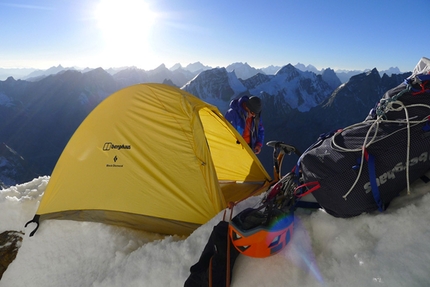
389	249
337	34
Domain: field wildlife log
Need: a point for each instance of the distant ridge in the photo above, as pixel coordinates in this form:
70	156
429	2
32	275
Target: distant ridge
242	71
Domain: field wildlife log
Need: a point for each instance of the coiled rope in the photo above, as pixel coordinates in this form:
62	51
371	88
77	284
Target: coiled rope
388	105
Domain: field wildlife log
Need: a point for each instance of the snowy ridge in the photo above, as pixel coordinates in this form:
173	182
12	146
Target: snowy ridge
235	84
243	70
301	90
216	86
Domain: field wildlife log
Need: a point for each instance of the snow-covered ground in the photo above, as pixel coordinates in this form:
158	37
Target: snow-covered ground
379	249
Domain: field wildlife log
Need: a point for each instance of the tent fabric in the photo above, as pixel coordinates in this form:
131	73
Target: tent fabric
152	157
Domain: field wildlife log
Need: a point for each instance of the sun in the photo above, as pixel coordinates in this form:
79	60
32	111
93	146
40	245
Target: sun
126	27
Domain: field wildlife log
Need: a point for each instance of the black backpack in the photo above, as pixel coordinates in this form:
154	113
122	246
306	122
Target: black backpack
361	168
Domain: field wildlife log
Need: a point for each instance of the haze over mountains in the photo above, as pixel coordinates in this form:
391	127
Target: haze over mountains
242	70
39	115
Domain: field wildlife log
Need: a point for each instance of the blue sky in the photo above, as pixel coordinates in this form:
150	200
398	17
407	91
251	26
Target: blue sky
340	34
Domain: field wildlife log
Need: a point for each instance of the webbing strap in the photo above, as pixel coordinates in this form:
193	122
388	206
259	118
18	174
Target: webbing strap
315	185
372	178
312	186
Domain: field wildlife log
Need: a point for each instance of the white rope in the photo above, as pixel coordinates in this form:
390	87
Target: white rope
376	122
408	146
375	125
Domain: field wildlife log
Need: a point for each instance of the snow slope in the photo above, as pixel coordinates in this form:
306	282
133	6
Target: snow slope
379	249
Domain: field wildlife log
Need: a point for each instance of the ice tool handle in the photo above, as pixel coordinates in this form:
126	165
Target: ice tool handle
287	149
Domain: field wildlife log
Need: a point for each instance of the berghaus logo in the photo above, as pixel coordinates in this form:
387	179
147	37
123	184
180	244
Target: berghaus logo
109	146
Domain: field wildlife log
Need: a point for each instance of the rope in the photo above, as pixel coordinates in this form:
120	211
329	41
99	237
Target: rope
380	118
385	103
408	146
363	148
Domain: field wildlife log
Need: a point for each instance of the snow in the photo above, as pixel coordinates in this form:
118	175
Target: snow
290	83
378	249
235	84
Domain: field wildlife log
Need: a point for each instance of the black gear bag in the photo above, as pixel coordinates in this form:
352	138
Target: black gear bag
361	168
211	269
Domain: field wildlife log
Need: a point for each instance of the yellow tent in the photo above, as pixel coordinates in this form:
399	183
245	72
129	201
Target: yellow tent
151	157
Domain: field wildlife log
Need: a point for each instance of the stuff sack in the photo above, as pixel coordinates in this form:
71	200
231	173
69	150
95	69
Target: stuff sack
363	167
213	269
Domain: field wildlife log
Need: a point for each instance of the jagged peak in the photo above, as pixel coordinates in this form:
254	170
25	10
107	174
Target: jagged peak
328	69
373	71
197	66
239	64
161	67
214	71
98	70
176	67
288	69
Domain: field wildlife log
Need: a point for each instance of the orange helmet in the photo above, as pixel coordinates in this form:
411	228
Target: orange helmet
255	234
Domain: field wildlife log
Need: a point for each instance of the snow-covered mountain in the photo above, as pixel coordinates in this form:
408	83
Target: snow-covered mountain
308	68
345	75
348	104
131	76
196	67
390	71
216	86
271	70
38	74
243	70
300	90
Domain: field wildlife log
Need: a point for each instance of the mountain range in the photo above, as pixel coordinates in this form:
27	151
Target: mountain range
39	115
242	71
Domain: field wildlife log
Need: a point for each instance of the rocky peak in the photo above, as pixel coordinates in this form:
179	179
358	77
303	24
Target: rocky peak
243	71
288	70
196	67
256	80
216	86
10	80
330	77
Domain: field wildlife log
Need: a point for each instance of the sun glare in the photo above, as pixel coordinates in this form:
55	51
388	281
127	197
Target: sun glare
126	27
